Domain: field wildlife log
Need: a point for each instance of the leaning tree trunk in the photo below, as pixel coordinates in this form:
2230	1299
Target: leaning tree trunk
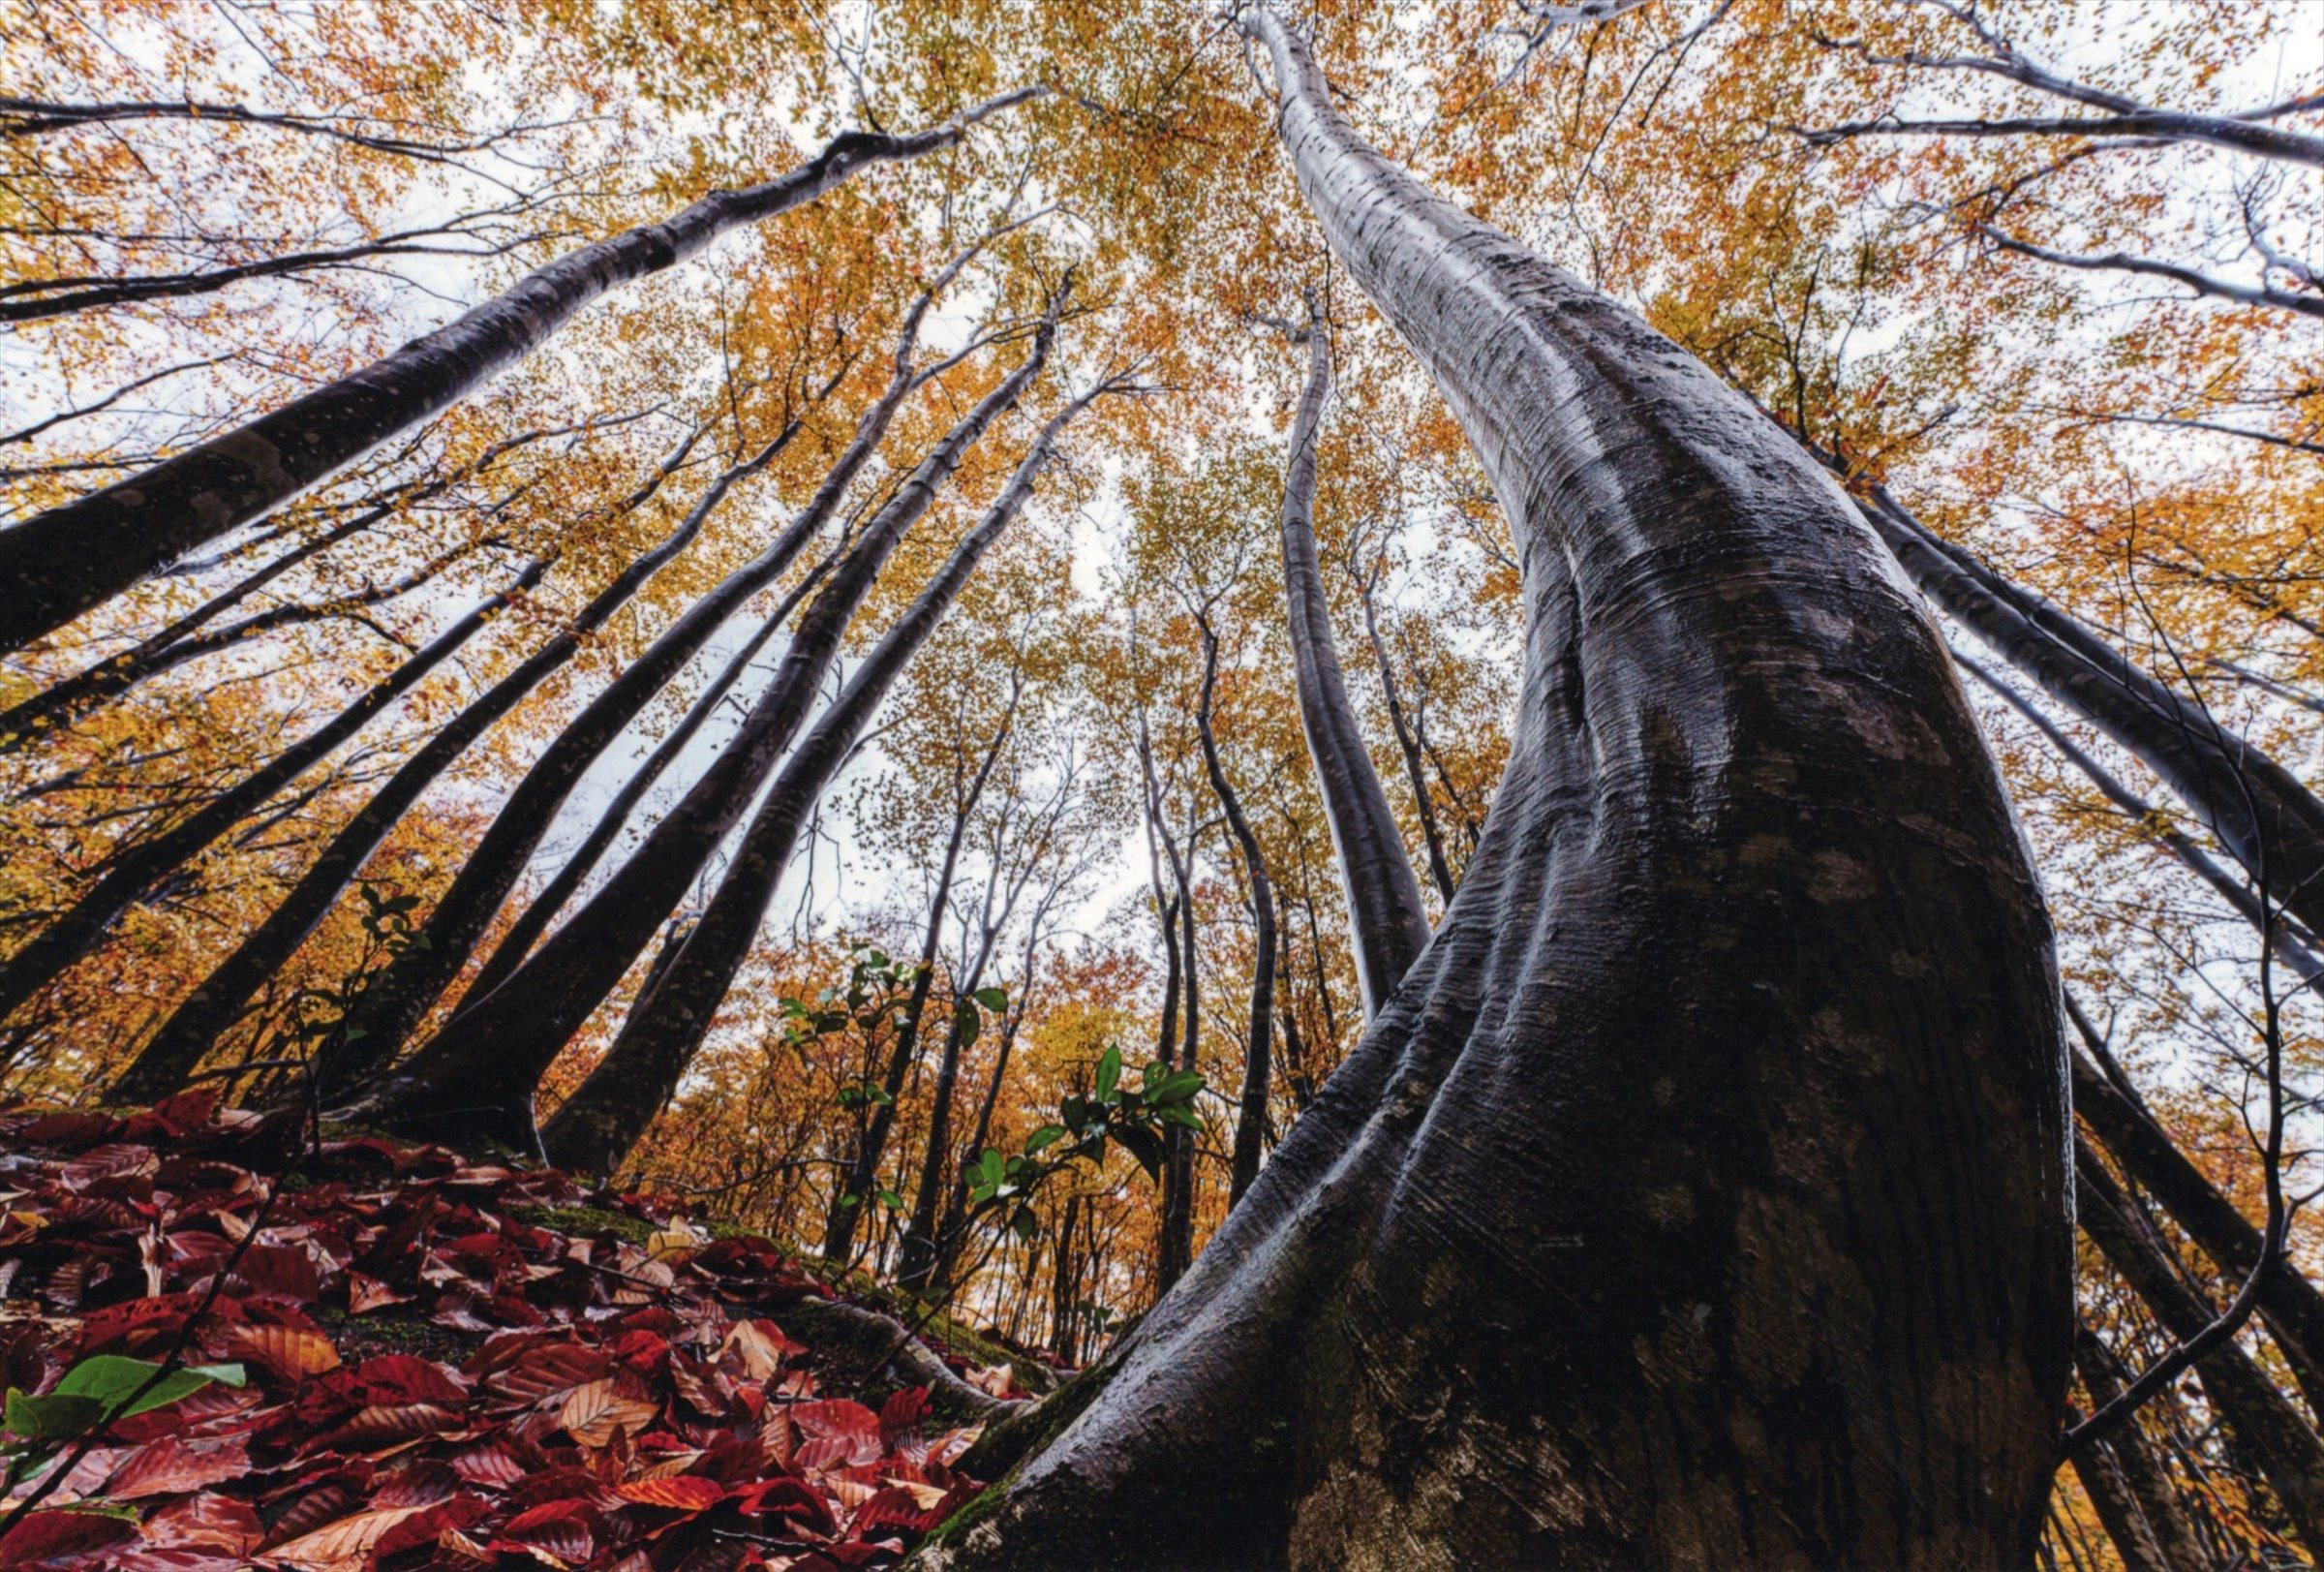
2133	1455
59	564
2256	809
2289	1305
478	1073
1258	1055
133	872
1699	1198
393	1008
194	1027
596	1128
1416	777
2266	1425
1388	924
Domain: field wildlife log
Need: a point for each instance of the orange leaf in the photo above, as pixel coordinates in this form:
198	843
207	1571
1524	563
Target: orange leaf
596	1410
288	1352
685	1493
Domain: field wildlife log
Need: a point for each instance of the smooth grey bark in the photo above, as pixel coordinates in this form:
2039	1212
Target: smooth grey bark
1258	1054
133	872
57	565
2253	806
593	1129
477	1074
1387	922
1700	1198
2268	1427
193	1027
393	1010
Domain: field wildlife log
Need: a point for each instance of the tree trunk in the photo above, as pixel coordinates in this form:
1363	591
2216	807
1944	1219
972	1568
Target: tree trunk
478	1072
1258	1057
1176	1226
839	1228
133	871
2135	1457
1388	924
189	1032
595	1129
2288	1302
2268	1429
392	1010
1415	776
59	564
1699	1198
2271	822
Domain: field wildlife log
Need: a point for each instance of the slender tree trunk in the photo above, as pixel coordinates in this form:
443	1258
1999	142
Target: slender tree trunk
2270	921
480	1071
135	870
2268	1429
539	912
594	1131
2271	822
1176	1228
189	1032
839	1228
1415	776
392	1010
1258	1057
1388	924
2109	1492
2288	1302
59	564
1699	1198
2142	1471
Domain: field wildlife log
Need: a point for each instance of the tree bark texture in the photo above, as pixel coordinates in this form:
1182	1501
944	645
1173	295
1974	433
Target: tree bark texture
57	565
1700	1198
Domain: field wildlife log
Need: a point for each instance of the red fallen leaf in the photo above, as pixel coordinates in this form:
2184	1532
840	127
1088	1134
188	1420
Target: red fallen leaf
595	1411
902	1412
836	1418
787	1498
894	1507
170	1467
185	1113
205	1522
69	1131
348	1539
314	1508
431	1523
386	1425
456	1308
129	1326
758	1348
409	1379
647	1354
119	1159
489	1463
291	1354
280	1272
48	1536
551	1370
684	1492
365	1294
212	1410
566	1529
552	1487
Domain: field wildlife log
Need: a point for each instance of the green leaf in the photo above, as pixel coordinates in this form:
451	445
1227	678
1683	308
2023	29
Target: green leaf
1042	1139
992	999
52	1418
1144	1145
1024	1224
1178	1086
967	1021
98	1389
992	1167
1178	1112
1109	1075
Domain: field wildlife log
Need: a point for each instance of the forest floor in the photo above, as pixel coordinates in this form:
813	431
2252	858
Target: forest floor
334	1353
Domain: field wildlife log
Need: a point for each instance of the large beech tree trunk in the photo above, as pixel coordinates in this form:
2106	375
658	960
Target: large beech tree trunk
1699	1198
1388	924
194	1027
595	1129
393	1008
478	1072
59	564
132	873
1258	1054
